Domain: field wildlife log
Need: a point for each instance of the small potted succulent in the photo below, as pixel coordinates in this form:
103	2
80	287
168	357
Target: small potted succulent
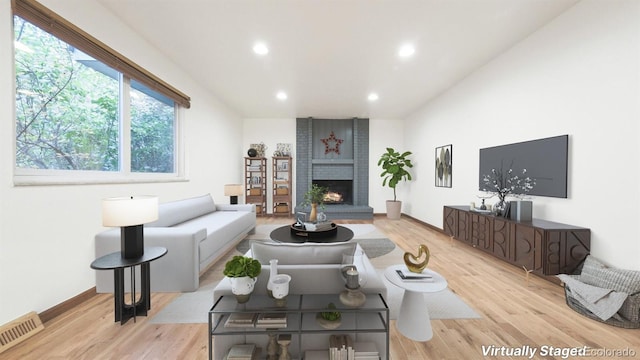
329	319
242	272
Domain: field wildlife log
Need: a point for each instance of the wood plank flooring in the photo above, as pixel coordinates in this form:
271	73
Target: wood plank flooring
514	314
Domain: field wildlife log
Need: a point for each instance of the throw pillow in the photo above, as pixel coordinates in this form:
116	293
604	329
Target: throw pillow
296	254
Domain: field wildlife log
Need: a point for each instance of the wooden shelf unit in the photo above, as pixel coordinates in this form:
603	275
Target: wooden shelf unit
544	247
281	185
255	181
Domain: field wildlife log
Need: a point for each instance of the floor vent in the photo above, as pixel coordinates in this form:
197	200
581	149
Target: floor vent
19	330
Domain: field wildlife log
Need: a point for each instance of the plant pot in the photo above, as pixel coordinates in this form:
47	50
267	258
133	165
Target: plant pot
242	287
394	209
328	324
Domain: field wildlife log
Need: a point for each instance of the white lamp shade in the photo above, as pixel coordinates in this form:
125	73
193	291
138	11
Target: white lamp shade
233	189
129	211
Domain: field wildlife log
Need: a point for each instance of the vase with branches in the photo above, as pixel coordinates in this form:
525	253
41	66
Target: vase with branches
504	182
314	197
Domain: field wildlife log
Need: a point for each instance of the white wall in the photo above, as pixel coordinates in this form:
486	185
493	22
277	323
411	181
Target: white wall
579	75
47	232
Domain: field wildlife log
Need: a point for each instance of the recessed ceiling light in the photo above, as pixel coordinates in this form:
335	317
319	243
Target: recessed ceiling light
373	97
281	95
260	49
406	50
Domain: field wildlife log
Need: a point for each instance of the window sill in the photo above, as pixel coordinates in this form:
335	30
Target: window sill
44	180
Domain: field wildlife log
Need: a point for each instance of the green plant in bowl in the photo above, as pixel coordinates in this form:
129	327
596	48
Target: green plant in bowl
330	319
240	266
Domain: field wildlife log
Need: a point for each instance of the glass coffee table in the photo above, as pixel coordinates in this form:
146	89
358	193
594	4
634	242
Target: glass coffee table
285	235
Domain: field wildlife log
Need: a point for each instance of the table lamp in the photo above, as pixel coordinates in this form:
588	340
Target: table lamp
233	191
130	213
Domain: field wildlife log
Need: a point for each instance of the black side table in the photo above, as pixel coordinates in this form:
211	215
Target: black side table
117	263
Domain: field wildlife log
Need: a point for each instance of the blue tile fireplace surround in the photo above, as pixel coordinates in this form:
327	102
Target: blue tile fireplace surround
335	153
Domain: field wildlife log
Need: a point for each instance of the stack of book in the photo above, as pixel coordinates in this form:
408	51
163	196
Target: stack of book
242	352
343	349
241	320
407	275
320	226
272	320
365	351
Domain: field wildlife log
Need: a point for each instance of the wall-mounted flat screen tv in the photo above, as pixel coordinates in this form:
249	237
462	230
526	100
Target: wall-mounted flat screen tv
546	161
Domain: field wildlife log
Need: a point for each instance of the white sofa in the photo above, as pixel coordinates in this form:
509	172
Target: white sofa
314	269
196	233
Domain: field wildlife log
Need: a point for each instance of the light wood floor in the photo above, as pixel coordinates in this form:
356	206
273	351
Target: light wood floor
514	314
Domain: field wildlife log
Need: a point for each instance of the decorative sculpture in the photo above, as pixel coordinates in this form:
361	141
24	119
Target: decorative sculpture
413	262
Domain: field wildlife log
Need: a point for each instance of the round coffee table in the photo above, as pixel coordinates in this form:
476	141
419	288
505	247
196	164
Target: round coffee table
283	234
413	318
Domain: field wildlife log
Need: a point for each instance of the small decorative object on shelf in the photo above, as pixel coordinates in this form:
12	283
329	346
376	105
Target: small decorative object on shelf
252	152
330	319
414	262
284	340
353	270
272	347
261	149
242	272
280	289
273	271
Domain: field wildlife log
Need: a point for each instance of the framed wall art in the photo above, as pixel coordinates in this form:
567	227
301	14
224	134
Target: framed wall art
444	166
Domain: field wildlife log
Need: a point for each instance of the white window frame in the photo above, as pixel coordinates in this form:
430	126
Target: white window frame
35	177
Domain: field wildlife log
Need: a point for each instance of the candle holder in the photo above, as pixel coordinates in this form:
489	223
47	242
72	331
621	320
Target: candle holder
352	297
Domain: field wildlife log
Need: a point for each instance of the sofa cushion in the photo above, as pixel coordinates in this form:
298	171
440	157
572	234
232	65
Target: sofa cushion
595	273
294	254
176	212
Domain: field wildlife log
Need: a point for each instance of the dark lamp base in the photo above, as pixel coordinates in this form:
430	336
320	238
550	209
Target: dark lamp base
132	241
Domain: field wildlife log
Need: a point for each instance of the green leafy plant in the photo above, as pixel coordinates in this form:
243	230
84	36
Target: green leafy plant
315	195
240	266
331	315
394	166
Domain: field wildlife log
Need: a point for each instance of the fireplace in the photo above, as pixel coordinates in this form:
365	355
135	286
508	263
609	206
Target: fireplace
334	153
339	191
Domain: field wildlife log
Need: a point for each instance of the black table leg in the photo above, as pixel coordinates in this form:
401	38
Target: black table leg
118	295
145	278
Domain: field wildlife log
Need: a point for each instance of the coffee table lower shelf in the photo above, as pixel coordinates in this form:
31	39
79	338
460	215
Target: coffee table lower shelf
368	323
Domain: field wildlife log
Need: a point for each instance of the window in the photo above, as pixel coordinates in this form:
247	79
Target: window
79	118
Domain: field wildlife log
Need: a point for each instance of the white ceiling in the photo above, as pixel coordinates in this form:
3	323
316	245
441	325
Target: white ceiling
328	55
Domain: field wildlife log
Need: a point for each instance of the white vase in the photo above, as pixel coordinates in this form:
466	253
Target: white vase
273	271
242	287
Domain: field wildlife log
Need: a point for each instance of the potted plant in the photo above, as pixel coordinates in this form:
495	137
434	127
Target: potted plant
394	165
329	319
314	197
242	272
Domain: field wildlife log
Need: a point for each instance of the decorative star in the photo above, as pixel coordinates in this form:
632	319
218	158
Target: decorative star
332	138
